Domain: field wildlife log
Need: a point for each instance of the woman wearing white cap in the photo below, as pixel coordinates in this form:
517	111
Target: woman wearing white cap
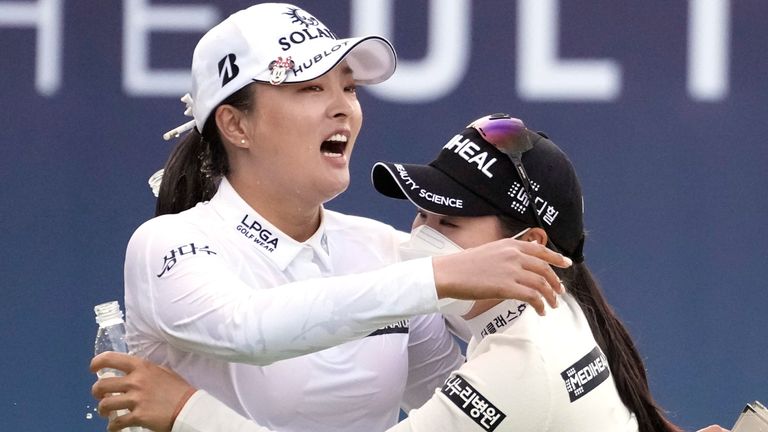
575	369
243	267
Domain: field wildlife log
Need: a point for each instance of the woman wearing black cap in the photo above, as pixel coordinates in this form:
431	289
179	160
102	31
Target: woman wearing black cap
292	314
574	369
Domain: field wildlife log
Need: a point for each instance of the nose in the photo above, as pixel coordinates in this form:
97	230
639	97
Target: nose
341	105
429	219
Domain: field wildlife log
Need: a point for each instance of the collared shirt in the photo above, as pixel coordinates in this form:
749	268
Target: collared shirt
524	373
236	307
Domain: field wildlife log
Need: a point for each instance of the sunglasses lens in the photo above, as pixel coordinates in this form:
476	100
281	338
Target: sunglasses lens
509	135
506	133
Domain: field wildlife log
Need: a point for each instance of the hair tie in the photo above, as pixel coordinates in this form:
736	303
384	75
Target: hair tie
155	180
174	133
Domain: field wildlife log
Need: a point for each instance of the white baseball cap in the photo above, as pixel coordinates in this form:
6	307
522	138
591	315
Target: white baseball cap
277	43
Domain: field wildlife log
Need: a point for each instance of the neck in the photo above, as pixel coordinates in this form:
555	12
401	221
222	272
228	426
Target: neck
292	214
496	319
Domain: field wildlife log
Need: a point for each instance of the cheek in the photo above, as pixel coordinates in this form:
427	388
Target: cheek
464	240
358	114
473	237
279	138
276	119
356	122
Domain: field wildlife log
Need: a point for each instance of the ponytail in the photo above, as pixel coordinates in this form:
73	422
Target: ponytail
197	164
623	358
613	338
190	175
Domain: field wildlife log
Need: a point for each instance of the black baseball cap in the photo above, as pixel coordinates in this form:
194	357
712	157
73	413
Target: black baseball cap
472	177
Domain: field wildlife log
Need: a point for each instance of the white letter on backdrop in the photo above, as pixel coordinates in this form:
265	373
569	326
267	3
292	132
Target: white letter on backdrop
45	15
139	19
448	49
709	39
542	76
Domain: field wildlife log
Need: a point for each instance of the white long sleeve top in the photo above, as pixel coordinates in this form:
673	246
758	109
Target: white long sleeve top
524	373
296	336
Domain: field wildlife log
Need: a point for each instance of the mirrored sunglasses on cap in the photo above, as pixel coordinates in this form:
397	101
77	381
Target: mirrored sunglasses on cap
510	136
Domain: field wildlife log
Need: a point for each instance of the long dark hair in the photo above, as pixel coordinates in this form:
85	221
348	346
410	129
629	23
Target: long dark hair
197	163
613	338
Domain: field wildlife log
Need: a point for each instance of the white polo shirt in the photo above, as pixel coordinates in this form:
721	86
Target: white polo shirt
524	373
235	306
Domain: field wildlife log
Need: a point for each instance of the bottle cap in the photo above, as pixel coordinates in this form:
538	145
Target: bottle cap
108	311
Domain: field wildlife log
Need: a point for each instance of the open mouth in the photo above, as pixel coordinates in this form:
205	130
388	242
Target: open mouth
334	146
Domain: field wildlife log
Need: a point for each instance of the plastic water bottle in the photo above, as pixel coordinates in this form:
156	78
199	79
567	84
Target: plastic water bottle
111	337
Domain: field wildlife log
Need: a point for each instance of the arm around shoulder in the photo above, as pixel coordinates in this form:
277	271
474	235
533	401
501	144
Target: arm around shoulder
180	288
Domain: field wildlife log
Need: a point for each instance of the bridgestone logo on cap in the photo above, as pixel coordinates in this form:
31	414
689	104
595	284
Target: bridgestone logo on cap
228	69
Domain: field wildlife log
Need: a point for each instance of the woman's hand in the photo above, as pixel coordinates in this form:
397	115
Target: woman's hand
504	269
153	394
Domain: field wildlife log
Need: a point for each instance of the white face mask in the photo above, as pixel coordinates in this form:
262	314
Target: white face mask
427	242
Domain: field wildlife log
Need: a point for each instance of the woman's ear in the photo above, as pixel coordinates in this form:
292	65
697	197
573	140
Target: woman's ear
536	234
231	123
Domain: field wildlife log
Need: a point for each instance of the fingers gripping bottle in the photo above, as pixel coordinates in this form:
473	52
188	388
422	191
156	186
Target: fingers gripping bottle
111	337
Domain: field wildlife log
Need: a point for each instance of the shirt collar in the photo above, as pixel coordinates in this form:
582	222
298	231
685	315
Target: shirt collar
497	319
258	233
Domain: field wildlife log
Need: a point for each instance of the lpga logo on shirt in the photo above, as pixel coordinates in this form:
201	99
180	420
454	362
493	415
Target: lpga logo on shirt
252	229
586	374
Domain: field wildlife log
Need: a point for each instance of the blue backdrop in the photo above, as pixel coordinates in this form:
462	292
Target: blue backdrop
660	104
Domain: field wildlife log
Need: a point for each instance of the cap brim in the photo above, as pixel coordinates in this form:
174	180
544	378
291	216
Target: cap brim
371	58
428	188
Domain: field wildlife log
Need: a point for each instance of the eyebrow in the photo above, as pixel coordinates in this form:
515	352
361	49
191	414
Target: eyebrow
346	70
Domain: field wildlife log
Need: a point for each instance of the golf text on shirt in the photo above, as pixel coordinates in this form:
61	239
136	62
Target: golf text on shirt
253	230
